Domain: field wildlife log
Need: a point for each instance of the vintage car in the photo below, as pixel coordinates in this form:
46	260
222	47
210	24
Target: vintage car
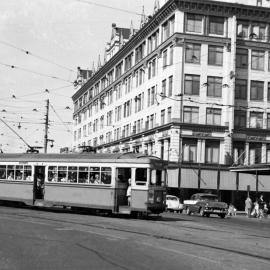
173	204
205	204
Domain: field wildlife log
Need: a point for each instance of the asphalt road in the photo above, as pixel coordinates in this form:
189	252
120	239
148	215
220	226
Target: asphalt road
34	239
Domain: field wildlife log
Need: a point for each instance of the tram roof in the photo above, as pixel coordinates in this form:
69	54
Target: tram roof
260	169
79	157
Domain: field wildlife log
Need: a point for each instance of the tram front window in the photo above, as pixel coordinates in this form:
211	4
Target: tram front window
141	176
157	177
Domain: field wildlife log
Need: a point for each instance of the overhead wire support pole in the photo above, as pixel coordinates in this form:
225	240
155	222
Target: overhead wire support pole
46	126
180	156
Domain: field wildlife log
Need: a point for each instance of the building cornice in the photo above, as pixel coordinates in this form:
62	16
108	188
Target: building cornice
225	9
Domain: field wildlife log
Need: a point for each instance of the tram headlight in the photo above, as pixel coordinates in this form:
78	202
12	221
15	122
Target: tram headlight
151	196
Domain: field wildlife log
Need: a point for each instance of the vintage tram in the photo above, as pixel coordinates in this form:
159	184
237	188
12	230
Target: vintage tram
89	180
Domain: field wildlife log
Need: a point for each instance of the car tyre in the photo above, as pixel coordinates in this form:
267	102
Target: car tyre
188	211
222	215
202	214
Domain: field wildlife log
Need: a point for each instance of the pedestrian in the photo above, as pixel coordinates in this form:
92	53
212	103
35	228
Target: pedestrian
248	206
128	194
255	211
261	204
232	210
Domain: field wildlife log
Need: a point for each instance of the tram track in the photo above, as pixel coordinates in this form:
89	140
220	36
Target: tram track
145	234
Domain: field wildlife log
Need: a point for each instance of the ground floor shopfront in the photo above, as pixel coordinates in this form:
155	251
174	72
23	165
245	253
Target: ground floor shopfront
230	186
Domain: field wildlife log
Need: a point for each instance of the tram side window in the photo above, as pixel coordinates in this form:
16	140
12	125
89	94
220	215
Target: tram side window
95	175
52	174
141	176
106	175
19	172
27	173
83	174
10	172
62	174
72	174
3	172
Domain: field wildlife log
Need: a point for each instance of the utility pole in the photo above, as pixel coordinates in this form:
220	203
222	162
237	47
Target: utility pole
46	126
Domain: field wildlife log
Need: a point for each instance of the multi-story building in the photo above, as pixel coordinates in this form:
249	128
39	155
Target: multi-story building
192	86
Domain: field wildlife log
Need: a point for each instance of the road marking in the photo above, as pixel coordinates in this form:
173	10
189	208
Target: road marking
27	221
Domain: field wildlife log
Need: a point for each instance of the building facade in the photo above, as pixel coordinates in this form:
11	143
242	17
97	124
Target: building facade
192	86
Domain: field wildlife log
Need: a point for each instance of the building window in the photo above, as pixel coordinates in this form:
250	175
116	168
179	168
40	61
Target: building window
268	121
212	151
215	55
268	91
189	150
242	29
139	53
128	62
170	86
193	53
258	31
163	89
162	117
259	3
165	60
239	153
256	120
216	25
256	90
169	115
257	60
171	56
192	85
241	89
118	70
191	114
214	86
242	58
213	116
240	119
194	23
255	153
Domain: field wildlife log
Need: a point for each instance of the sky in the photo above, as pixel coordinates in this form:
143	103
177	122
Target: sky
42	42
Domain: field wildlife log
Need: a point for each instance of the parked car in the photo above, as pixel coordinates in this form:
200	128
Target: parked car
205	204
173	204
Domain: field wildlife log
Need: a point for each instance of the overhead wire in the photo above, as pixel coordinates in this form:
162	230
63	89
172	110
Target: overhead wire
34	72
27	52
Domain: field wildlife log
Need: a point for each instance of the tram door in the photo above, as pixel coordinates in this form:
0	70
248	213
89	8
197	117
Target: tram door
39	178
122	176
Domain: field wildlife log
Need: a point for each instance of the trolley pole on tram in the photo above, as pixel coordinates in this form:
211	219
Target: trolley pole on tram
46	126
